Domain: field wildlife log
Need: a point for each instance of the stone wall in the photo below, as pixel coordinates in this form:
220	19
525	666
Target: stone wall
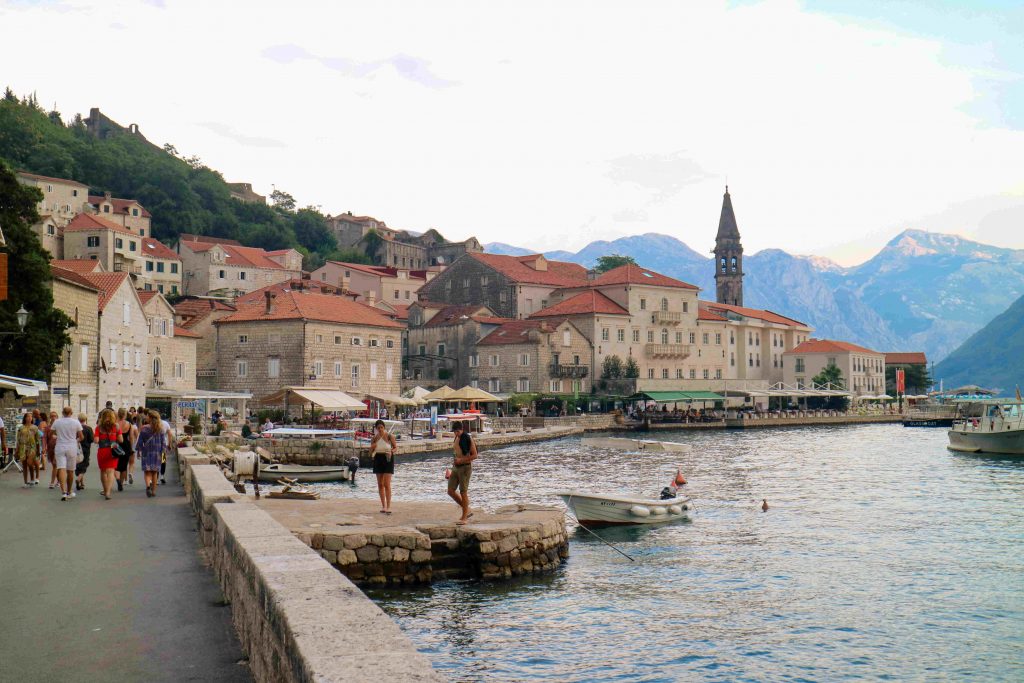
294	614
81	305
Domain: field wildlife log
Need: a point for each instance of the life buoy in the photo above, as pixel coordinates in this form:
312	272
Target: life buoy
659	510
639	511
675	510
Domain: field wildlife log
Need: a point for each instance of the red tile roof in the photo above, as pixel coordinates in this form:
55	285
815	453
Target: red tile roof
79	265
905	358
292	305
72	276
517	332
828	346
86	222
107	283
361	267
45	178
119	205
705	314
401	311
146	294
515	268
237	255
206	239
452	315
151	247
589	302
182	332
297	285
630	274
756	313
193	310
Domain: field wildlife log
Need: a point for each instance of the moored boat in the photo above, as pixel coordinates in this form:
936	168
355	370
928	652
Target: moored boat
988	426
623	444
600	509
304	473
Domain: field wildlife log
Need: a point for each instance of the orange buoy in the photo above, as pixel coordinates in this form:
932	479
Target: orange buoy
680	479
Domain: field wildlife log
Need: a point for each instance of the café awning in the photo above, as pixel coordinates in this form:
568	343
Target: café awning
393	399
22	386
676	396
328	399
468	393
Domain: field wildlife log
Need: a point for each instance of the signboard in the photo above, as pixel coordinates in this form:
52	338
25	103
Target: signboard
194	405
60	391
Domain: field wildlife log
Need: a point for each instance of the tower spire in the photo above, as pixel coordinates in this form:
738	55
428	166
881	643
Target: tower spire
728	256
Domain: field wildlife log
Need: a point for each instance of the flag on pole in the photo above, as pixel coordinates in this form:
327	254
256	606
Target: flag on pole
901	381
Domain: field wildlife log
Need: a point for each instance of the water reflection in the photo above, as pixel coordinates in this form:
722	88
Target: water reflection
882	554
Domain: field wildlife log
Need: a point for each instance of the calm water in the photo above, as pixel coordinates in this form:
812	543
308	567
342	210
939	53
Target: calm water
883	556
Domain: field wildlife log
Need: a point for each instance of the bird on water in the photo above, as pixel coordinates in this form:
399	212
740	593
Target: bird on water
764	505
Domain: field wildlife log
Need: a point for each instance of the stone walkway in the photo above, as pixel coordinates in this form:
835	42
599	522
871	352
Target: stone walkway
97	590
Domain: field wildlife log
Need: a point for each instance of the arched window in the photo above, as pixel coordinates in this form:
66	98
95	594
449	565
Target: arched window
664	336
734	264
156	367
723	264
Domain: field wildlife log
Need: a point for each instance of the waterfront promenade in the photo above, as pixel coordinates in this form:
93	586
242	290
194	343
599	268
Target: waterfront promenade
115	590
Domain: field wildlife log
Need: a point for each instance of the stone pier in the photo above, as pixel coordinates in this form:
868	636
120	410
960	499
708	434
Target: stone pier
420	541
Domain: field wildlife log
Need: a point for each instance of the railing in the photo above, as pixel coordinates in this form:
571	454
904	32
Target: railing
667	350
667	317
569	370
211	372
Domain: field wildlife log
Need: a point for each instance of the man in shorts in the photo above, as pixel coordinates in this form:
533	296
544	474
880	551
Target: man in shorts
68	432
465	453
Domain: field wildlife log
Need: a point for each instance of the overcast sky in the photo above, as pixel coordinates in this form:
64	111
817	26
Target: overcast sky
548	125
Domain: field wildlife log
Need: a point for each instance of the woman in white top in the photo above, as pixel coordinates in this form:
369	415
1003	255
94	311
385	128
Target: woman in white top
383	447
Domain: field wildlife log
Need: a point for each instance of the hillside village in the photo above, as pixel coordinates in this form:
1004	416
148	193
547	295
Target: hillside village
156	320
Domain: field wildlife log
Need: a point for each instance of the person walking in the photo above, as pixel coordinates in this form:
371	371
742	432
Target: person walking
168	444
67	433
50	445
383	447
26	450
150	447
107	434
87	439
131	434
465	453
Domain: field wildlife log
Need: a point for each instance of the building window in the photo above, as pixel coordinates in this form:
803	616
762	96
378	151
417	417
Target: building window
686	307
135	212
706	373
318	368
156	368
620	335
750	360
355	375
555	386
832	361
604	334
160	288
149	266
679	337
650	373
650	336
174	268
484	280
664	373
242	368
679	373
337	368
441	349
664	304
241	275
159	267
84	358
273	367
474	360
126	314
636	335
566	338
693	374
132	245
337	339
148	287
799	365
357	341
389	343
664	336
373	371
374	341
388	371
693	337
118	243
421	349
643	304
92	241
495	360
732	359
243	339
704	338
523	385
524	360
220	274
718	338
179	370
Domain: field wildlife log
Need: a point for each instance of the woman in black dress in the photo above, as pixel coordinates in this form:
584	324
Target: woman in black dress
383	446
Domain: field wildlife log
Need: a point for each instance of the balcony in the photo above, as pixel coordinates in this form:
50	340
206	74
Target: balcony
568	370
667	318
667	350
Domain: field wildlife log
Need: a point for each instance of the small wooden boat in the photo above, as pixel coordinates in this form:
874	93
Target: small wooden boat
600	509
623	444
304	473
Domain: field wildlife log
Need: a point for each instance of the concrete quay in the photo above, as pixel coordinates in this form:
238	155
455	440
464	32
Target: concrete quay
420	541
809	421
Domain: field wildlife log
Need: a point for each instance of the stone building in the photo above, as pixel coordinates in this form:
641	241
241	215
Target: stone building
171	350
216	265
197	316
756	340
442	342
75	381
511	286
243	192
539	355
150	263
728	257
296	338
374	283
161	268
863	370
123	340
397	248
127	213
62	201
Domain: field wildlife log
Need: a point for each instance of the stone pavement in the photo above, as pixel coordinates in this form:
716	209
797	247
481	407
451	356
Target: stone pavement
96	590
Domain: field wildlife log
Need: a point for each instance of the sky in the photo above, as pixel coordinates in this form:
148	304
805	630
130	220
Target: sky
836	123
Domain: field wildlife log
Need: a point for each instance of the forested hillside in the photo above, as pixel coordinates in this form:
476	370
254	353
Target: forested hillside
181	193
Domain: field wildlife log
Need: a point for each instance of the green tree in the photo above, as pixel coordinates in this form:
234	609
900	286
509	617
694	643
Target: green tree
611	368
37	351
606	263
282	200
830	375
917	379
632	370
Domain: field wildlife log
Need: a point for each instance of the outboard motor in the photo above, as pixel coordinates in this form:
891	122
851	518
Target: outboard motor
668	493
353	465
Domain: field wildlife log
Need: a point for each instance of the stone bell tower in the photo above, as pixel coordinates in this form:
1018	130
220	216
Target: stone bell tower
728	257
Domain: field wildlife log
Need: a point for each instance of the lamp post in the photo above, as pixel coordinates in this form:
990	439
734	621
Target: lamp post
21	316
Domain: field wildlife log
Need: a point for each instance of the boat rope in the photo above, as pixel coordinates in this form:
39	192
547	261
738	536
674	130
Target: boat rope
589	531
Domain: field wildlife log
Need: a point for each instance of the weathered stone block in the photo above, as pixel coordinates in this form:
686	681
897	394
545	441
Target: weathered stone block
400	554
374	569
329	555
487	548
420	556
386	554
407	541
318	541
332	542
346	557
355	541
377	539
507	543
368	553
423	543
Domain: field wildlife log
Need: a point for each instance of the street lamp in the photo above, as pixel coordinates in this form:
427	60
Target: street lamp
22	317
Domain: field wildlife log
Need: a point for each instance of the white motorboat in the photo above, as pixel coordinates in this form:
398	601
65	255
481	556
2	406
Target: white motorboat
304	473
988	426
624	444
306	433
600	509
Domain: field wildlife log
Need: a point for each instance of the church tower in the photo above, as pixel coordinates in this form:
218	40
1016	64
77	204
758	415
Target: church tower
728	257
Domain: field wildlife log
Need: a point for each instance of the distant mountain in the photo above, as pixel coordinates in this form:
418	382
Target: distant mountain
923	291
506	249
935	290
993	357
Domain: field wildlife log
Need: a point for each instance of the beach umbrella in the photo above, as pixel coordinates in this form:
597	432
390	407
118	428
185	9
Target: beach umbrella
442	394
417	394
472	394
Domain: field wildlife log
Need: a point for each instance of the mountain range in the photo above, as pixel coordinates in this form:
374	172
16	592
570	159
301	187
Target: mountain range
923	291
991	357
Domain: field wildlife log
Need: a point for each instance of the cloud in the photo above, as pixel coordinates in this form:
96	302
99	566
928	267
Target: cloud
630	216
230	133
665	174
406	66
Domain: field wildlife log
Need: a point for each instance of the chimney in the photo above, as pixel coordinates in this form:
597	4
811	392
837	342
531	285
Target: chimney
107	196
269	297
370	297
591	274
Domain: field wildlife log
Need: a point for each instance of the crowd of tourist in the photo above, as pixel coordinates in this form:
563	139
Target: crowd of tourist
65	444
